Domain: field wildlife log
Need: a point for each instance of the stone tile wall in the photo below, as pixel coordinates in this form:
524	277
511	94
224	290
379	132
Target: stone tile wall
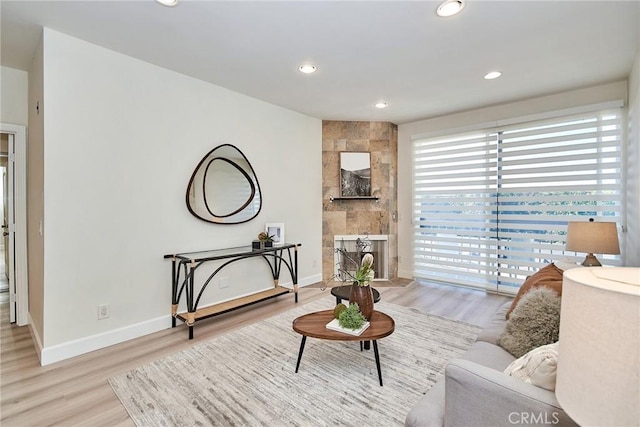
360	216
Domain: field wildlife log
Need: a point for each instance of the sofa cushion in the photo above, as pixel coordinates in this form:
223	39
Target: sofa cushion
549	276
489	355
494	327
534	322
538	367
479	396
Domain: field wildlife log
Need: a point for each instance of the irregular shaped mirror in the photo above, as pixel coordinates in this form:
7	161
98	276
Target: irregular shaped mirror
223	188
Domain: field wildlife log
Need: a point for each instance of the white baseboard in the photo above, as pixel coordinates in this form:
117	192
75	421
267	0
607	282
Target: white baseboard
310	280
36	338
56	353
306	281
84	345
406	274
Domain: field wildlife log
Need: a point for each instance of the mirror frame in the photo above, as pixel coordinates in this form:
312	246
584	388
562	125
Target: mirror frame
249	174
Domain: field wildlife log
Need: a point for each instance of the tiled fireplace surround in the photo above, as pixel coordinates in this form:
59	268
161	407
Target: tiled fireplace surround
358	217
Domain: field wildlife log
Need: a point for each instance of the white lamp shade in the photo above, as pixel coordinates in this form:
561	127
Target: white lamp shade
598	378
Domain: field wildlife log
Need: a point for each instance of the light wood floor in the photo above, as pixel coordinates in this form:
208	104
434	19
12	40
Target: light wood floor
75	392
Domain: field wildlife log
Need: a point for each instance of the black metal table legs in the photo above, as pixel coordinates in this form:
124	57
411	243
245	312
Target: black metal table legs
375	350
304	340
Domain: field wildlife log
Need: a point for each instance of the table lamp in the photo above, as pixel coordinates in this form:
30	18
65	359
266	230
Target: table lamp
593	237
598	376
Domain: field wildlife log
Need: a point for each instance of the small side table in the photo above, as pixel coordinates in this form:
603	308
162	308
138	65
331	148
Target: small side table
342	292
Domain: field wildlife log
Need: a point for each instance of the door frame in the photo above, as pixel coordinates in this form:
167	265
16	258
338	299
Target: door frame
19	159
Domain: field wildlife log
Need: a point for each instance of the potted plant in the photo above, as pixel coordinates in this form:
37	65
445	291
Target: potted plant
361	293
349	317
356	268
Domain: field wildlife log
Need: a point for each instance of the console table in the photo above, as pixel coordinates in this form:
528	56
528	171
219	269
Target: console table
184	266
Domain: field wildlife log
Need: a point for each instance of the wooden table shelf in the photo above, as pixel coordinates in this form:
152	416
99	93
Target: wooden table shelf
224	307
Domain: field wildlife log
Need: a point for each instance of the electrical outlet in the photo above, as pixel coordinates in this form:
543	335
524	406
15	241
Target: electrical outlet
223	283
103	311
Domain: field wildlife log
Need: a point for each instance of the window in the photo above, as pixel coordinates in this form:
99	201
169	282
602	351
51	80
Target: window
491	207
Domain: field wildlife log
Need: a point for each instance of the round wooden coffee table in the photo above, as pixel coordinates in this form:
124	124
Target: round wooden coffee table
315	325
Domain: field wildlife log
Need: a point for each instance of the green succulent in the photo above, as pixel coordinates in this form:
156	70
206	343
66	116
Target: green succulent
351	317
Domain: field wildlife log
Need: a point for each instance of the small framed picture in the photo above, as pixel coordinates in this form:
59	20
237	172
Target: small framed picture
276	230
355	174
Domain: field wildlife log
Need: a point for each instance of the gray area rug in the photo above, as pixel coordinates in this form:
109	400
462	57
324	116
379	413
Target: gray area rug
246	377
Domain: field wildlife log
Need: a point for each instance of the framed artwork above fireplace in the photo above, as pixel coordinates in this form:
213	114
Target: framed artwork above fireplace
355	174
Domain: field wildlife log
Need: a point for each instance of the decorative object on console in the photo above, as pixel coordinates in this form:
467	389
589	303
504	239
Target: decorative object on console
276	231
593	237
264	241
224	188
534	322
355	174
599	354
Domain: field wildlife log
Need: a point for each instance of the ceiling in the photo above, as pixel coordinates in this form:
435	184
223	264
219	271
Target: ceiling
398	51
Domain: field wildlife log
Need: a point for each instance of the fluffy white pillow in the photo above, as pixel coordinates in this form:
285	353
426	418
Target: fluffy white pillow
537	367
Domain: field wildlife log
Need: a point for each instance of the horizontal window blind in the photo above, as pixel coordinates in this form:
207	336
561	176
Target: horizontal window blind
455	183
492	207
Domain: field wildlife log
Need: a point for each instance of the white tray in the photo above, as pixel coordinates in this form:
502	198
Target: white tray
334	325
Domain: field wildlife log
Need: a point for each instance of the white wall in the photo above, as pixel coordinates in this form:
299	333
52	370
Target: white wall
35	196
593	95
122	138
13	99
632	258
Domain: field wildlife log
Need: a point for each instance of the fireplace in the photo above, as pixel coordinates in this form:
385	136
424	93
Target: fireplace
349	250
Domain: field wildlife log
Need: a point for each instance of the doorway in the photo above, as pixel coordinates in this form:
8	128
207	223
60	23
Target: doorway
13	263
4	242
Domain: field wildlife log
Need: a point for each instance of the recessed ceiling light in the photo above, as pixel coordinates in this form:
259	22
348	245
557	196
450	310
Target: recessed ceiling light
308	68
492	75
381	104
450	8
169	3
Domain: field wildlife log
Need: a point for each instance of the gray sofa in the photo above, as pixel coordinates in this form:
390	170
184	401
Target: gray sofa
476	392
